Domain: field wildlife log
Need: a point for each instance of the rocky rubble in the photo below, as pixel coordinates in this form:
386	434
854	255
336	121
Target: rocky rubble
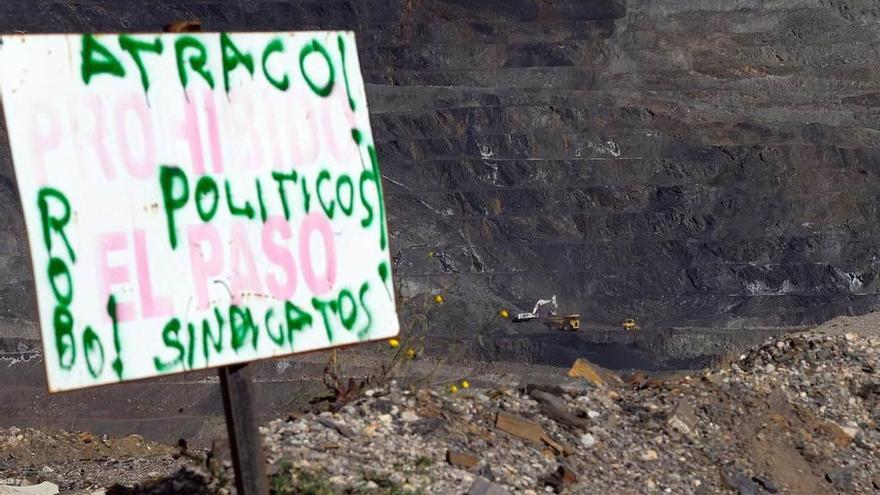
799	414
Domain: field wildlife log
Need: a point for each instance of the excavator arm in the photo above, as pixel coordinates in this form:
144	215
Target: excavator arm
544	308
544	302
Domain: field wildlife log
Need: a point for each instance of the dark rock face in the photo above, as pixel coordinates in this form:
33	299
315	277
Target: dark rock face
685	163
685	166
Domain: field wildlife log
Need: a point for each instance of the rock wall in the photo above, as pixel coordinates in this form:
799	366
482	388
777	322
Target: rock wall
687	163
695	163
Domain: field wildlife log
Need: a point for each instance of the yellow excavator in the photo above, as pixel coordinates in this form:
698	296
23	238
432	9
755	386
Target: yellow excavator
546	312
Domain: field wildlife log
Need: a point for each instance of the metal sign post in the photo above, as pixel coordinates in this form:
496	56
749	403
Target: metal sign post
244	436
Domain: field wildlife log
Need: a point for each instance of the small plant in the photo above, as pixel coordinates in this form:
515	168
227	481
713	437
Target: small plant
295	481
342	390
406	347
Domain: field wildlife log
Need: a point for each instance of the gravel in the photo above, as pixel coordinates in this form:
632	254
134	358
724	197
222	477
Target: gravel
798	414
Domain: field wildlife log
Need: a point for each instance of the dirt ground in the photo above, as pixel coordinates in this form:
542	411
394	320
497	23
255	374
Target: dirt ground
82	460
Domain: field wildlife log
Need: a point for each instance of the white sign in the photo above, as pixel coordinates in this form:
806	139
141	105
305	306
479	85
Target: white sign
196	200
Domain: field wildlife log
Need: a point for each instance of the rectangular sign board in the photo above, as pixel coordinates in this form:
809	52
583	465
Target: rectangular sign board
195	200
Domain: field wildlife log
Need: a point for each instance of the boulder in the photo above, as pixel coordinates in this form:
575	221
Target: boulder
594	373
